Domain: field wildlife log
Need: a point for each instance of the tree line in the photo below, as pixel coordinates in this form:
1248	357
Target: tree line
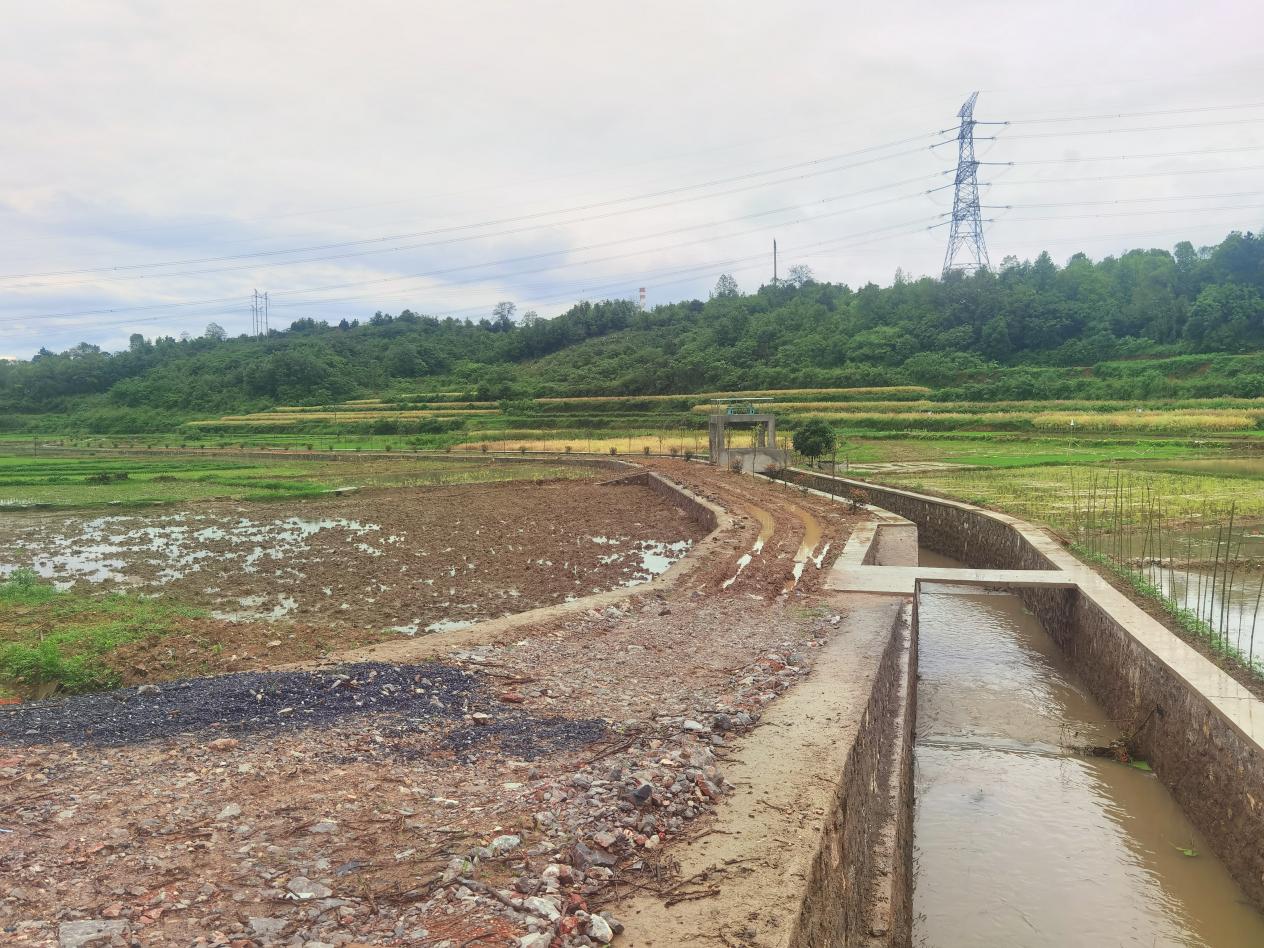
962	334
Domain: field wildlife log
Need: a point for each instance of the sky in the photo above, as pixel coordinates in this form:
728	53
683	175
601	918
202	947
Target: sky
165	161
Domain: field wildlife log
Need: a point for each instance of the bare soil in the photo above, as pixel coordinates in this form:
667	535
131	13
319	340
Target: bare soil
196	840
296	580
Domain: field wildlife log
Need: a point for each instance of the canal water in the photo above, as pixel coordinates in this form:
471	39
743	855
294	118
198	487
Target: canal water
1020	840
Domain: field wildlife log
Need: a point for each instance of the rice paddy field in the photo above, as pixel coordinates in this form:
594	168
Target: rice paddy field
76	481
1055	494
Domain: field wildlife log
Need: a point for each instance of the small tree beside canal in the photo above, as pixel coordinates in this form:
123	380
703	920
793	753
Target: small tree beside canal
814	439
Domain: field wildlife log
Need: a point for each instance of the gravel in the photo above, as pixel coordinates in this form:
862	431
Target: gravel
244	703
525	737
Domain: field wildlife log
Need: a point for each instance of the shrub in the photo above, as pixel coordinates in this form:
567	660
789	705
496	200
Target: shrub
737	465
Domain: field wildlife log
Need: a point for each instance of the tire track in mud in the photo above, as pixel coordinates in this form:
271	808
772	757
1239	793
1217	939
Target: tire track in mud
794	538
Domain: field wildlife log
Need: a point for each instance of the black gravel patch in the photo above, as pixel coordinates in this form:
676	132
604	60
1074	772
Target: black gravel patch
244	703
524	737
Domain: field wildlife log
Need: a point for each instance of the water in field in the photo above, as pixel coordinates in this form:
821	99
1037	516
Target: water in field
1225	467
1020	840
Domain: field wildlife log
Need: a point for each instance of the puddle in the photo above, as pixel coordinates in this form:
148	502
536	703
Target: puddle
253	609
643	559
766	527
156	551
448	625
1020	840
807	546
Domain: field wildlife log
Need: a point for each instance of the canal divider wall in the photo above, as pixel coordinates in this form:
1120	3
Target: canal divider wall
1201	731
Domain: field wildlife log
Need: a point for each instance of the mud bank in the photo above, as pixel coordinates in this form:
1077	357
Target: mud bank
1202	732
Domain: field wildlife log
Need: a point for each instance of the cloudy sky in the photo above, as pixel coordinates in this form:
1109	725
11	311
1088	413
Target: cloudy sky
164	159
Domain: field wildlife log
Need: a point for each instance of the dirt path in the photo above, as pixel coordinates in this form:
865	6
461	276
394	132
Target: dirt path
386	826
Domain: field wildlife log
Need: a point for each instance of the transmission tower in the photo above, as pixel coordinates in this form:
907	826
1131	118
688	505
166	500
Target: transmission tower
966	249
259	314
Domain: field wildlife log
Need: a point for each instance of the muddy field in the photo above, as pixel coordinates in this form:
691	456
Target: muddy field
406	560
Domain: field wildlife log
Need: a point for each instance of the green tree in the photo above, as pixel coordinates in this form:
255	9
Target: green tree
814	438
725	288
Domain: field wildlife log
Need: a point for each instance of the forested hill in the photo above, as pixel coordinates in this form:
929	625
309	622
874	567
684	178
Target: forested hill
960	332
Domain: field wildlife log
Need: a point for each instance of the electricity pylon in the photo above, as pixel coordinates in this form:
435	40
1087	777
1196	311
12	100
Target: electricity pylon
966	249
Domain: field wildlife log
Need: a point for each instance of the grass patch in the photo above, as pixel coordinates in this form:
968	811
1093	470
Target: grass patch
59	640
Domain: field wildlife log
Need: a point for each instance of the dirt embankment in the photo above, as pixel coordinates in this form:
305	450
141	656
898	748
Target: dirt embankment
391	827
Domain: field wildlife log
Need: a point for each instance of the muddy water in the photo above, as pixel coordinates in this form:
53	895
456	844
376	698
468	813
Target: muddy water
1021	841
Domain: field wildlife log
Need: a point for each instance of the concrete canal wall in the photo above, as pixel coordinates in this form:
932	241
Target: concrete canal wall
1201	731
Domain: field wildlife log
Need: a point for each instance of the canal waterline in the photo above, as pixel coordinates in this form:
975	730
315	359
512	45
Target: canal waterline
1019	839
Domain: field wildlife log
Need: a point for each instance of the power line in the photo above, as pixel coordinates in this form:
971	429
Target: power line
1135	200
316	248
471	237
504	220
508	260
1169	210
1127	131
758	259
1104	116
1139	174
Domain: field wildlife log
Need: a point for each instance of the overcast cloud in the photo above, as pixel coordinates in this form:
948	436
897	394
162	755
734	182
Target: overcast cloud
142	133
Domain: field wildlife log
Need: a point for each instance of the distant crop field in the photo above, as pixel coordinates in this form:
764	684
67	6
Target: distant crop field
1049	493
63	481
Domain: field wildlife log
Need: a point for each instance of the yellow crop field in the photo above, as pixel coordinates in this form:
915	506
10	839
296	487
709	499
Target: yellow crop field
761	393
1157	421
294	418
634	444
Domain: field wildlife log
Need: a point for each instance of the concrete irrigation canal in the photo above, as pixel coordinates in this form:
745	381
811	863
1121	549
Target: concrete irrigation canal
1022	838
837	714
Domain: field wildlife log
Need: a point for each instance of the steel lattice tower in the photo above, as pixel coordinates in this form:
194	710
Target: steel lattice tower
966	249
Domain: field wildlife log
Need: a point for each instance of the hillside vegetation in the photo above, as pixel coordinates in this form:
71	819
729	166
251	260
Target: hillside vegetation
1147	325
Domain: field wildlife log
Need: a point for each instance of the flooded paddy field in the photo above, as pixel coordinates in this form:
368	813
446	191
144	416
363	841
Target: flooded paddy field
404	560
1022	839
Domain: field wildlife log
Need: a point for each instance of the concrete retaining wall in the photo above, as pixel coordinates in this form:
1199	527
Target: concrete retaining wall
858	890
698	510
1205	739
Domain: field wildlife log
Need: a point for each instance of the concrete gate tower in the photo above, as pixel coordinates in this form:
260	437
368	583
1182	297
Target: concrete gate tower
744	413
